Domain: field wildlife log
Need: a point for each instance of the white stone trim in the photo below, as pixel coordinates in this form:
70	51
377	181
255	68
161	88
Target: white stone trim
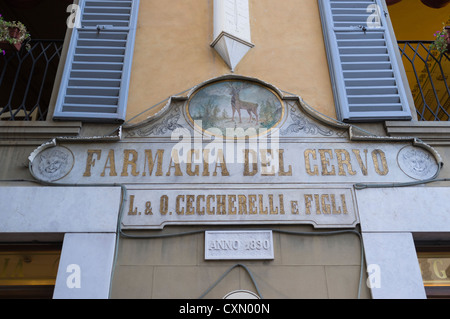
85	266
393	267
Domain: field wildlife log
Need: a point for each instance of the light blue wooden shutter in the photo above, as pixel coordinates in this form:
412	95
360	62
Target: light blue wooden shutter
96	76
364	70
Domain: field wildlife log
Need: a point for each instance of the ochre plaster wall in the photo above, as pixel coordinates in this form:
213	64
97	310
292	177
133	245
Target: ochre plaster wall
173	52
304	267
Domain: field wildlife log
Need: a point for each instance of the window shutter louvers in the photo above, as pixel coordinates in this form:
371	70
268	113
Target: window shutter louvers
96	77
364	70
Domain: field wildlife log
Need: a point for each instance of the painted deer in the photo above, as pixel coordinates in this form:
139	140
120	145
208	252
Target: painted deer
237	105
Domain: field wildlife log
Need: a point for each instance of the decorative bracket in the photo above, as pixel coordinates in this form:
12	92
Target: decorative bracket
232	30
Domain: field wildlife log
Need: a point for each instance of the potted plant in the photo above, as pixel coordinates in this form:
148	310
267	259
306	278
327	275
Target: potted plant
12	35
442	41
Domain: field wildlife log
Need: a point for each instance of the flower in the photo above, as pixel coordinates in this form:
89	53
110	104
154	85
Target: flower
5	35
440	42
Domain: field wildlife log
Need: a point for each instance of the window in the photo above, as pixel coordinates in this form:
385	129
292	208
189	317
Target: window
415	22
28	271
27	77
363	63
96	76
435	268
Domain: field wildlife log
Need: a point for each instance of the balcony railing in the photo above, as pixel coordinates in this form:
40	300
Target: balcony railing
428	74
27	78
26	81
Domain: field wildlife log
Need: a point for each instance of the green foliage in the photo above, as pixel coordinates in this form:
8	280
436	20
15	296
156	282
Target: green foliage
5	34
208	113
440	44
269	114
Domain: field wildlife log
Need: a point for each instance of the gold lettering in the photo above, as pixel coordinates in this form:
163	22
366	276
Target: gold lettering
384	164
197	202
439	273
360	162
265	163
308	200
90	161
343	158
150	161
131	211
163	204
221	207
247	171
325	207
210	211
148	208
190	204
251	204
231	208
205	162
271	209
281	171
280	197
178	200
344	204
174	163
333	205
190	161
326	162
221	163
130	162
307	155
242	204
112	165
317	202
262	209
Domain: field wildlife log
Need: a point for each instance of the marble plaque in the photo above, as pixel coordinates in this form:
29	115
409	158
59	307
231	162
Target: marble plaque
236	151
239	245
321	207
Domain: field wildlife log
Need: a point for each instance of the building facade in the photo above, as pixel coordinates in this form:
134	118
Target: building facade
259	149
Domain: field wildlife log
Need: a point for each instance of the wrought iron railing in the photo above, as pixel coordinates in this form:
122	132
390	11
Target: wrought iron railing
428	74
26	80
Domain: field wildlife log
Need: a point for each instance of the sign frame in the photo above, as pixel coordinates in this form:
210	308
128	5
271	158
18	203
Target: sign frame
239	245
